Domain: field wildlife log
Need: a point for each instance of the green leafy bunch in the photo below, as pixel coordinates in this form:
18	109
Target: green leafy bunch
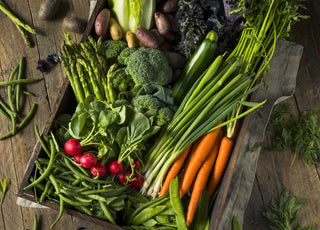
301	133
284	214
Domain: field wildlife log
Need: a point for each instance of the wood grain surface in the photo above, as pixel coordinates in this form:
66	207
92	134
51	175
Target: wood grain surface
273	174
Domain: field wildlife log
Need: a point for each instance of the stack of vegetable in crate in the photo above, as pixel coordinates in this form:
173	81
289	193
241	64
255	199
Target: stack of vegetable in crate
157	112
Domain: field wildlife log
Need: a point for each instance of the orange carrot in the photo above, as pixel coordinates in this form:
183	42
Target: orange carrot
220	165
202	179
174	170
201	153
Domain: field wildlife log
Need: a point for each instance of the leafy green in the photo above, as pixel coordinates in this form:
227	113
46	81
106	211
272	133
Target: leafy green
282	216
301	133
133	14
4	186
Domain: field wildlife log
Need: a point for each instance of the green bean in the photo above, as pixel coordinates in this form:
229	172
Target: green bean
7	109
84	210
45	192
17	90
80	168
35	222
61	209
84	177
44	146
147	213
28	93
4	114
106	212
236	224
46	173
73	202
20	81
22	124
10	99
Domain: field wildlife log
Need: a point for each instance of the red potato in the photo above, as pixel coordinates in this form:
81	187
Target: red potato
101	23
173	23
166	46
162	23
170	36
157	35
48	9
170	6
147	38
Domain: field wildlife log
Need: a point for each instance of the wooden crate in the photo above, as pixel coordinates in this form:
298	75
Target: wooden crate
63	106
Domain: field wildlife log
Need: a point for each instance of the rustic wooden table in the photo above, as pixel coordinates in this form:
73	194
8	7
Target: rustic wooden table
273	174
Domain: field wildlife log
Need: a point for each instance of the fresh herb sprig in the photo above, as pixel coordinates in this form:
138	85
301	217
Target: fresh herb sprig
301	133
284	214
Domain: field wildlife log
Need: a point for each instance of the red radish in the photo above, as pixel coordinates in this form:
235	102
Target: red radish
137	164
77	158
137	182
99	169
123	177
115	167
88	160
73	147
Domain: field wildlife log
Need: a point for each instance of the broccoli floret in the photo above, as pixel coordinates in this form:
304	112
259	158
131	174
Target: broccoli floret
148	66
164	117
121	81
147	104
113	49
125	53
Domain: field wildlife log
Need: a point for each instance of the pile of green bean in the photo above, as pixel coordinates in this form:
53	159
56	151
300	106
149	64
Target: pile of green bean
60	180
11	109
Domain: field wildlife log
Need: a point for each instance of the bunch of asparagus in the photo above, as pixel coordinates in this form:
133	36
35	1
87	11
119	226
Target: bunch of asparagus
86	68
22	27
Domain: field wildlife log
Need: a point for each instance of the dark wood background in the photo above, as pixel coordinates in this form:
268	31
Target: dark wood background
273	173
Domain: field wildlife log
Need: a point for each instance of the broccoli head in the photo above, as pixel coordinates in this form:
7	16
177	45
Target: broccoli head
121	81
147	104
113	49
148	66
125	53
164	117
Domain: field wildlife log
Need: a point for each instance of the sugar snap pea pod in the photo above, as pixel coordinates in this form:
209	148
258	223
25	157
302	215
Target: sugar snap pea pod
162	219
147	213
47	171
201	215
236	224
151	203
61	209
106	212
150	223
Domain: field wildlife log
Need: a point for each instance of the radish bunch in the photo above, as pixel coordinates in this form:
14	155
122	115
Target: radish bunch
90	161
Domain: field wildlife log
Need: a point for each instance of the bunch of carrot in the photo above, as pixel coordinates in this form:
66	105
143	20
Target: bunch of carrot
208	155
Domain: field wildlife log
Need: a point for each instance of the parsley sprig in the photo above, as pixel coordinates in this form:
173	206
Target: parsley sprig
300	133
284	214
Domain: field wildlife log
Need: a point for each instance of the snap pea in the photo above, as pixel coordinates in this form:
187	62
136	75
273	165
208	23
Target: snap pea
150	222
151	203
147	213
236	224
163	219
47	171
106	212
201	215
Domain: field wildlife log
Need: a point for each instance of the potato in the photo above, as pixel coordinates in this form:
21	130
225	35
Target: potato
147	38
131	39
48	9
162	22
73	24
175	60
170	6
115	30
173	23
101	23
157	35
